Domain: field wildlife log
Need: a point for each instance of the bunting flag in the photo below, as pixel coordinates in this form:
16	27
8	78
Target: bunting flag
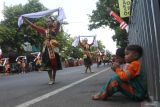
60	18
95	43
124	6
122	23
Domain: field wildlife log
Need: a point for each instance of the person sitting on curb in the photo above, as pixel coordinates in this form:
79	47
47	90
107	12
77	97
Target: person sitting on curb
129	79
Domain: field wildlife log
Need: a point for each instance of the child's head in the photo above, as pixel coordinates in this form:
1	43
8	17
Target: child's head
120	55
132	53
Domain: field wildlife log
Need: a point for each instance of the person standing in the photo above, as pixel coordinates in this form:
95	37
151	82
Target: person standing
98	59
87	54
50	56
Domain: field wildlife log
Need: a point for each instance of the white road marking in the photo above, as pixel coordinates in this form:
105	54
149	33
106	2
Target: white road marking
45	96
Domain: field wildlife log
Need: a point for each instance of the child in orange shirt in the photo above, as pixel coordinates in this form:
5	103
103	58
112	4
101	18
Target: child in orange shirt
129	81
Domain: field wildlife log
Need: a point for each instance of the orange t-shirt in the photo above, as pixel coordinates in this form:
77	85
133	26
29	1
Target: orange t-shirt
132	70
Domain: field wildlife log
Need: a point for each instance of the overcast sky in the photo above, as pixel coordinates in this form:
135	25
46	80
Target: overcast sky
76	13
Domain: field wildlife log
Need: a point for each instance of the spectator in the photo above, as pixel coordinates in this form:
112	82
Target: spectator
129	80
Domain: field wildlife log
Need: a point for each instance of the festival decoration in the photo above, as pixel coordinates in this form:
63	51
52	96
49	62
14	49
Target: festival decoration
122	23
125	7
60	18
76	41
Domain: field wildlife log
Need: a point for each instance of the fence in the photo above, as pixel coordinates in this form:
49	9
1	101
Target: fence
144	29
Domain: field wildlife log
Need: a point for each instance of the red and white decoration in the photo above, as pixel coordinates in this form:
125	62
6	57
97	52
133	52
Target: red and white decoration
122	23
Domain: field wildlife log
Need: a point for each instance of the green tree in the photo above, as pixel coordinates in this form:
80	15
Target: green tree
100	18
121	37
100	45
13	36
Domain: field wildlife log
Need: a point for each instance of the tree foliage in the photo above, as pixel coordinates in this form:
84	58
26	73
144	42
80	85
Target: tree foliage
100	18
121	37
100	45
13	36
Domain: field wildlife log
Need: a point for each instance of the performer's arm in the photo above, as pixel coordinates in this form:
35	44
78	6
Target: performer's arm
81	45
93	41
37	28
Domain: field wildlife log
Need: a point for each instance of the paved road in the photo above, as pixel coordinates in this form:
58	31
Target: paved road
73	88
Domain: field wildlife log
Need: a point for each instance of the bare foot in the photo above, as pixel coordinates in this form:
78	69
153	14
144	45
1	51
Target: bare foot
96	97
50	82
99	96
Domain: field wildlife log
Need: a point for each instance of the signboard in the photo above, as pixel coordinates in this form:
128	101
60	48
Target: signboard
124	6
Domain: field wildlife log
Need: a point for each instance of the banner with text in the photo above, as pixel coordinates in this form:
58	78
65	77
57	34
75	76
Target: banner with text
124	6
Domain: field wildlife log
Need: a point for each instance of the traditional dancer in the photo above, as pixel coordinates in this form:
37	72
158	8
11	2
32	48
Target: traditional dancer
98	59
87	54
86	50
50	56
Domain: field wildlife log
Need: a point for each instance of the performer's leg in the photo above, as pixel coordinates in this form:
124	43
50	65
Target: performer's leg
90	68
97	64
54	75
107	90
54	69
113	86
50	74
86	68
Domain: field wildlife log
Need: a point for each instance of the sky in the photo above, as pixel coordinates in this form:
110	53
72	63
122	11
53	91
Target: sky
76	12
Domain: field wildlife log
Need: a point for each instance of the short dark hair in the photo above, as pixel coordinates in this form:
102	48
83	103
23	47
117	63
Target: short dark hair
120	52
135	48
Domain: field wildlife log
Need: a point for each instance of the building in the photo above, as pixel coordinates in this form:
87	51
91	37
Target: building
144	29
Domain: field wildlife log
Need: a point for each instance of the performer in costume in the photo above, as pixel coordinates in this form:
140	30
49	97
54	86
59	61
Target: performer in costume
104	58
87	54
98	59
50	56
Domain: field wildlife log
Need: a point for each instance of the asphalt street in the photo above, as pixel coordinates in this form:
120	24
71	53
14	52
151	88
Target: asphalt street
73	88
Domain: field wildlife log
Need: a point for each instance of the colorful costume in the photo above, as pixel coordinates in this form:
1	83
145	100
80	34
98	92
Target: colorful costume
50	57
87	61
130	82
86	51
104	58
99	59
